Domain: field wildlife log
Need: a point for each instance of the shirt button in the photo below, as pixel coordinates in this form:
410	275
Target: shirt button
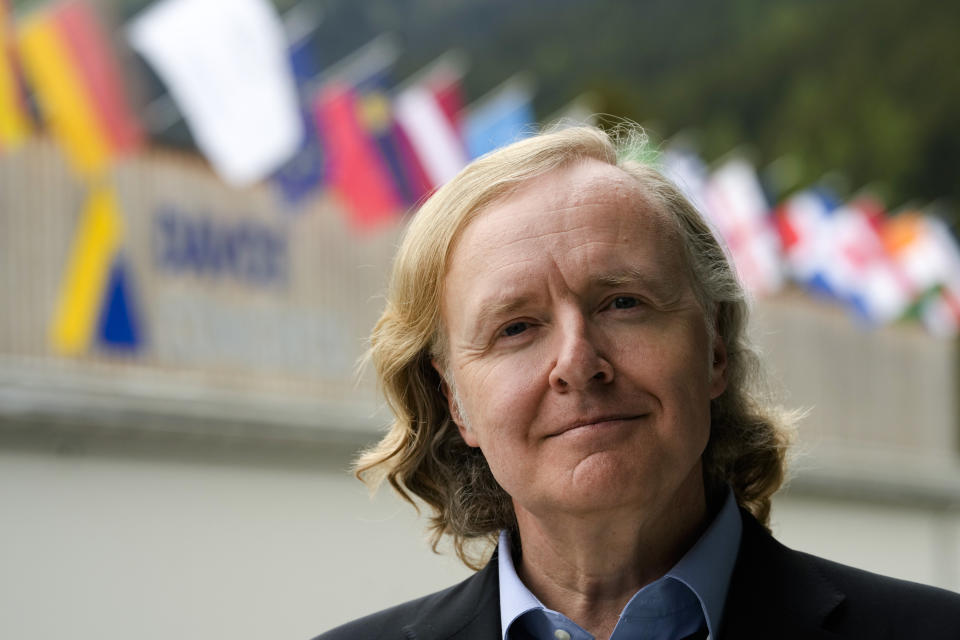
560	634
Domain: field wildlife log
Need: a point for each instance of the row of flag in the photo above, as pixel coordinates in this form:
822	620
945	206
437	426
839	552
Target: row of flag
385	147
248	88
884	268
57	65
255	103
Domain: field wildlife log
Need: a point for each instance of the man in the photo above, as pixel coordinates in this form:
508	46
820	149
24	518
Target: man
564	350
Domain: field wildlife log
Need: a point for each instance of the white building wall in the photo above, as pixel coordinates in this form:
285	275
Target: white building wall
107	539
108	546
915	543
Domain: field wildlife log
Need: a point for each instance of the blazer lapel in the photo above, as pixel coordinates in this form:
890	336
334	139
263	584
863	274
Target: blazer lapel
775	592
469	611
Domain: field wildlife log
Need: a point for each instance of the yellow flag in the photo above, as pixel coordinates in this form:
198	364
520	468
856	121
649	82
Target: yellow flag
65	102
14	124
87	271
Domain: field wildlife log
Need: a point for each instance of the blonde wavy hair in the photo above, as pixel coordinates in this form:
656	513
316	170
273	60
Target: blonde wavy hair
423	455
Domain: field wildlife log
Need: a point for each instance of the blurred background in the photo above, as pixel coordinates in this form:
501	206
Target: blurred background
199	202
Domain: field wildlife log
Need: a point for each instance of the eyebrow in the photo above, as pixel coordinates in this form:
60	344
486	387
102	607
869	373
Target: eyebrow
619	278
661	288
495	308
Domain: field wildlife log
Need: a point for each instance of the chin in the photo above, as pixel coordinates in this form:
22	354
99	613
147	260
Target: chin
597	484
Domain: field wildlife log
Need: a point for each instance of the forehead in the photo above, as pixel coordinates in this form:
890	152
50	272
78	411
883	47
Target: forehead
574	211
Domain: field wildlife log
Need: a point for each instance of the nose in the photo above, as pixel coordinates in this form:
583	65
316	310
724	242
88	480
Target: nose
579	363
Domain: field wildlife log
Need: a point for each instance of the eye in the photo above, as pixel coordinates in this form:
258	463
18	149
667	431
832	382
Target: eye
624	302
515	328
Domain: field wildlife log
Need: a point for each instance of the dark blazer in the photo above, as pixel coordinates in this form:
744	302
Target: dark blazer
775	593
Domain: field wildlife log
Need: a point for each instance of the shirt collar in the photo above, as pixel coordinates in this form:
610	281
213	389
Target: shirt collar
705	569
515	598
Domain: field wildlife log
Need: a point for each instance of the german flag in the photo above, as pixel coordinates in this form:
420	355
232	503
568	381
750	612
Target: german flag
71	66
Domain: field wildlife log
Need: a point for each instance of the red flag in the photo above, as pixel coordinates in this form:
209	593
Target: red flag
355	167
95	62
445	85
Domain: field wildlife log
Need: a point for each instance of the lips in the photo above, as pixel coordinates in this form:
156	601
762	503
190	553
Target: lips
595	421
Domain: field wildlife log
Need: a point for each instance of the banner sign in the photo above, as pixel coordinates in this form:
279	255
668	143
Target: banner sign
169	275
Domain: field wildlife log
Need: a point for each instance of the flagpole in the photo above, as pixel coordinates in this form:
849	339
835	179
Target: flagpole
378	54
453	62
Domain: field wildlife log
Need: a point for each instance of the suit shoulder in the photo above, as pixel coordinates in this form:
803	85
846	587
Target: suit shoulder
382	625
788	593
918	610
442	612
857	581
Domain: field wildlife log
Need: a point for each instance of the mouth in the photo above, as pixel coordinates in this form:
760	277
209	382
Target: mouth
596	423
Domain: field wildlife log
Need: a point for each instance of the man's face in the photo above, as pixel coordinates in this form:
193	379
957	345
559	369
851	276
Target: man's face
577	351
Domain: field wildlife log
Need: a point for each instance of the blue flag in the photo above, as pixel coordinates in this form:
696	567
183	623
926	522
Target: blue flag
504	117
304	172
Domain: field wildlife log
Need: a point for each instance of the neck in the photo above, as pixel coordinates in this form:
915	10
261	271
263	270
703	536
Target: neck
588	566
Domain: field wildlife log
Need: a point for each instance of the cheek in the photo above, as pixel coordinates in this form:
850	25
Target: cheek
684	376
501	409
697	416
507	392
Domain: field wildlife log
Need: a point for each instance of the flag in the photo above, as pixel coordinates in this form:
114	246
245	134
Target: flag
67	57
928	255
684	168
15	124
738	209
428	112
879	267
924	248
940	313
377	117
302	174
355	168
860	269
227	67
804	222
445	81
504	116
418	180
386	175
368	70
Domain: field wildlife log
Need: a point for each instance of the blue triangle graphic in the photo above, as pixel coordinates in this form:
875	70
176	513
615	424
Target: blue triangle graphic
119	321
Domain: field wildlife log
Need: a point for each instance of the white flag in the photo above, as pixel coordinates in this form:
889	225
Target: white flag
688	173
737	207
435	138
226	66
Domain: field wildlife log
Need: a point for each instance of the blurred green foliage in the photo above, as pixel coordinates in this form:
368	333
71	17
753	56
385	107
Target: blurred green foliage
869	88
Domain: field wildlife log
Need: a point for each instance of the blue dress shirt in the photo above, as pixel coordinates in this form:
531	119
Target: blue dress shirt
675	606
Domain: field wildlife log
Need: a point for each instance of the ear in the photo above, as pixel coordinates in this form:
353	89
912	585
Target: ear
718	369
452	406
